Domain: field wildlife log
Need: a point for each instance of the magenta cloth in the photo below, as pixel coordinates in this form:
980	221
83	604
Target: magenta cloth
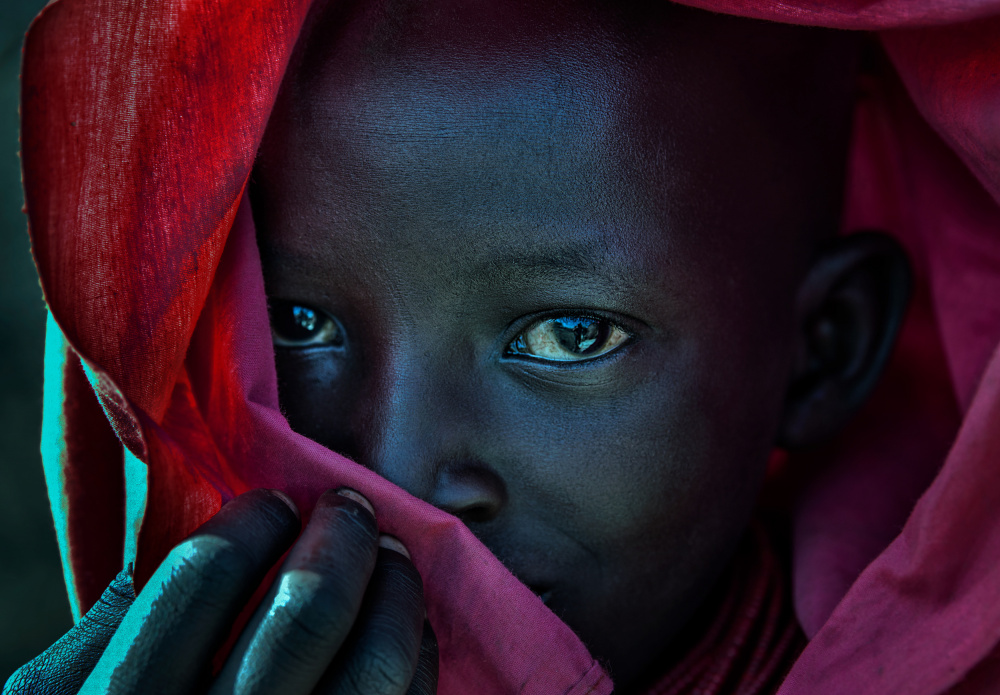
140	120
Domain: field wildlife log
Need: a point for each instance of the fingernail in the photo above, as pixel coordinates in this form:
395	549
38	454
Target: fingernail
392	543
287	500
357	497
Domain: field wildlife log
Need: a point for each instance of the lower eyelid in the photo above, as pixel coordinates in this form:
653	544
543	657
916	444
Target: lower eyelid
601	360
603	372
325	347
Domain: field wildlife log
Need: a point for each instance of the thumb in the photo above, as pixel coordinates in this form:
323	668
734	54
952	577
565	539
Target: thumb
62	668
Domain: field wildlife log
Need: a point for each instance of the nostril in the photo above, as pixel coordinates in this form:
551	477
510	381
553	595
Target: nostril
476	514
474	494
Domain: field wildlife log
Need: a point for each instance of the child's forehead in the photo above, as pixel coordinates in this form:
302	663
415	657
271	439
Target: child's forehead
658	80
538	137
527	170
518	170
687	128
531	143
437	83
520	123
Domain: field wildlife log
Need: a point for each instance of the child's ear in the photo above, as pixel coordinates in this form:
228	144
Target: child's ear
850	307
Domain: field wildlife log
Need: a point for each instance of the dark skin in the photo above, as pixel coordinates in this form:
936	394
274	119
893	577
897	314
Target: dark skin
569	274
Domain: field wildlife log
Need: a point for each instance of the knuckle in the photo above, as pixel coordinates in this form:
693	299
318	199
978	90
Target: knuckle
404	576
382	671
309	611
283	655
318	624
402	581
337	591
321	619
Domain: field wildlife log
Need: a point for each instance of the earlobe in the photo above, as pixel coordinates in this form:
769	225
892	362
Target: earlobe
849	310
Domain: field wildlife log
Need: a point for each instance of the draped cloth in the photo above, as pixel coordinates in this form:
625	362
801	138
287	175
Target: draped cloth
140	121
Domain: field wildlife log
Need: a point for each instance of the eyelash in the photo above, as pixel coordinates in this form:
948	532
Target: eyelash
557	335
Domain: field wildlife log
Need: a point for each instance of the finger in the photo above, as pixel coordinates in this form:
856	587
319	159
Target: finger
314	602
426	677
381	655
167	640
64	666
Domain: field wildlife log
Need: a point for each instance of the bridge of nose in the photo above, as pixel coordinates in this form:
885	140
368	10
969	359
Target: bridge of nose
424	427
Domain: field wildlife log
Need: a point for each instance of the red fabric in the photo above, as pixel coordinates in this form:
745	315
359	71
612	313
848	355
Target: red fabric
93	492
140	119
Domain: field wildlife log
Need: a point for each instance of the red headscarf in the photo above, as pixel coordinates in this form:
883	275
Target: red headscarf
140	121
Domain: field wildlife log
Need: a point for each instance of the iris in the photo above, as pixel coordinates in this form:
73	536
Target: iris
569	339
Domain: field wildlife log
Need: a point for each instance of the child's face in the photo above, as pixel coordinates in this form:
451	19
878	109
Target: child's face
547	283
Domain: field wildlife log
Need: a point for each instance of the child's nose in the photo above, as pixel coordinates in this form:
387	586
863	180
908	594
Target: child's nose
424	430
475	494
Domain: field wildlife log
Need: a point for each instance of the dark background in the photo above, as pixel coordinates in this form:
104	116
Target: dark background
33	606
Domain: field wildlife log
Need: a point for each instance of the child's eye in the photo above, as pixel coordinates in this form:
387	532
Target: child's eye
298	325
569	339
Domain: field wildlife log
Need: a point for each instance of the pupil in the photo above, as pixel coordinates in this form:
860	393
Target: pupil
579	335
304	318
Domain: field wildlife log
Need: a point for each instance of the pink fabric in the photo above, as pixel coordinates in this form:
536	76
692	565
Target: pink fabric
140	122
923	612
867	15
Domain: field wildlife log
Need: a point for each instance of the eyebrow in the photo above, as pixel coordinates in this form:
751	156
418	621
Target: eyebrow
567	261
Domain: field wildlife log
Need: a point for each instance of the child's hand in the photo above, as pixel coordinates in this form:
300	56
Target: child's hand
344	615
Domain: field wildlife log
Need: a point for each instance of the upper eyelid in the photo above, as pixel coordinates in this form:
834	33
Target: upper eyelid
629	324
622	322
